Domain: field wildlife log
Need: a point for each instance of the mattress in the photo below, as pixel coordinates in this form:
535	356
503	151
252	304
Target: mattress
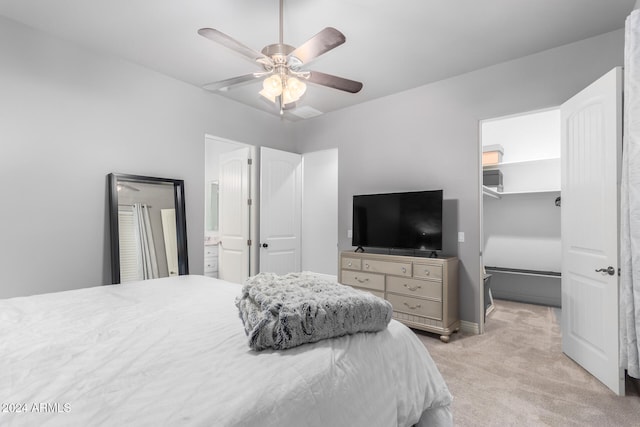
173	351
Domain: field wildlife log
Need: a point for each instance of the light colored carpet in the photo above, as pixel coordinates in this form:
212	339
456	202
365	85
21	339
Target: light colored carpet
516	375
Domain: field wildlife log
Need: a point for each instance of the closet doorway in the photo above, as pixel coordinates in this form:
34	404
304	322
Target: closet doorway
521	208
590	170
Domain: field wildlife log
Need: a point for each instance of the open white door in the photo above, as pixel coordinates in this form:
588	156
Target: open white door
280	211
233	252
591	159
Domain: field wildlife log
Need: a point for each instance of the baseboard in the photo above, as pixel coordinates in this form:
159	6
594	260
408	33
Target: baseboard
526	298
469	327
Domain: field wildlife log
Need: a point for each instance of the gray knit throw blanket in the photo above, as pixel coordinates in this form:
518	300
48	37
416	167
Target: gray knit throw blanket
281	312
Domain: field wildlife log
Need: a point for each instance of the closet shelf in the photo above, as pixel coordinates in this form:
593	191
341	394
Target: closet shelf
499	194
513	193
490	192
521	163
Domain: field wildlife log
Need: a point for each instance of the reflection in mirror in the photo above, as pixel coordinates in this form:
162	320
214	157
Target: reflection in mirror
211	200
148	228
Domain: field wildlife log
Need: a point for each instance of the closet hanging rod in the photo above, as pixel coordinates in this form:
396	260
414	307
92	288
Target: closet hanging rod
522	271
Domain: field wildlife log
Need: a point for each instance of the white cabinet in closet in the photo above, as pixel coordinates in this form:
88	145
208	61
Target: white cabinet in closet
211	260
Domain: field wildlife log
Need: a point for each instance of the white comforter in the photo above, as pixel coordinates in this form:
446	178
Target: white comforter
173	352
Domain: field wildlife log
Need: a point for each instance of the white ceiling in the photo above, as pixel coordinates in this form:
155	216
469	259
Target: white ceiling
391	45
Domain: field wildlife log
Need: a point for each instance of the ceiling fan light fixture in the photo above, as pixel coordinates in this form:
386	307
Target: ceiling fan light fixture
296	87
272	85
293	90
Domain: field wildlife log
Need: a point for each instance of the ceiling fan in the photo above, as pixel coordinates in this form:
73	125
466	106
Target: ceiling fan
282	65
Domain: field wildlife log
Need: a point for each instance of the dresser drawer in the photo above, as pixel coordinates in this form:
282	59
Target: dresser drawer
351	263
211	264
363	280
427	271
414	287
210	250
416	306
387	267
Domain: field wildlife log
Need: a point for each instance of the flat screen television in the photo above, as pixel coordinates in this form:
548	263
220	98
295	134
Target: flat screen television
410	220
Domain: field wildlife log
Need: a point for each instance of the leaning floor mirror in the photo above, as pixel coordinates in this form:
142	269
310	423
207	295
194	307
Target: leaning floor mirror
148	228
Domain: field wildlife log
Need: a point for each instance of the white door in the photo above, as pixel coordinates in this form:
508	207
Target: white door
233	252
168	217
280	211
591	158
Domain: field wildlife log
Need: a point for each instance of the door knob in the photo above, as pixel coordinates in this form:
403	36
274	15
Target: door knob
609	270
265	245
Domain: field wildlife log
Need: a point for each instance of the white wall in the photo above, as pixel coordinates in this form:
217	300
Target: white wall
428	137
523	231
319	244
525	136
69	117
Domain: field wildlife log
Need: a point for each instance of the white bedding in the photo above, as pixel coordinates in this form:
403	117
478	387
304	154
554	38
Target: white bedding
173	351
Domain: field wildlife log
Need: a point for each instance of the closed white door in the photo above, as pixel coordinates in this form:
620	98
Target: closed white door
233	251
280	211
591	159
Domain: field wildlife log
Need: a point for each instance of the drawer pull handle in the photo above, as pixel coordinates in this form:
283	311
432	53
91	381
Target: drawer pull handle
427	272
414	307
366	266
404	269
412	288
362	280
350	264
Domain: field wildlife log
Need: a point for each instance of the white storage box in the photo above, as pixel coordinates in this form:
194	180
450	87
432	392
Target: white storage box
492	154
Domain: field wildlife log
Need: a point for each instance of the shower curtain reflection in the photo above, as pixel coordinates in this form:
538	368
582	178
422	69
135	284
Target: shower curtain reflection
146	253
138	260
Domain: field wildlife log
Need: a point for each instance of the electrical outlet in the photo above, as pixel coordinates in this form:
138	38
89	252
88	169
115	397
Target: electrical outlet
349	233
460	236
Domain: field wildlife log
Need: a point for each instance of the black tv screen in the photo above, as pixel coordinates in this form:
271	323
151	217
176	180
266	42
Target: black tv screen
411	220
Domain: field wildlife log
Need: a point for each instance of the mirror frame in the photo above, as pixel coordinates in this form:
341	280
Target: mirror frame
181	222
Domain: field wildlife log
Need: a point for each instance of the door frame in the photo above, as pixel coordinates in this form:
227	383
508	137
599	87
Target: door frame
253	193
482	308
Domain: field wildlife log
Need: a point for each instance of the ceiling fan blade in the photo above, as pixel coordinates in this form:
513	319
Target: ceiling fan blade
228	42
224	85
322	42
334	82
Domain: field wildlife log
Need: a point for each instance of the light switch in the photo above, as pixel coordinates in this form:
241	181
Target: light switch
460	236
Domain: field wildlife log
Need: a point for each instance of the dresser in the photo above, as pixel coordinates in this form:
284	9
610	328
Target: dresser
422	291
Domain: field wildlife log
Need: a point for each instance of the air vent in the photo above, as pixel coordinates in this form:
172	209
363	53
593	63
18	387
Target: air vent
305	112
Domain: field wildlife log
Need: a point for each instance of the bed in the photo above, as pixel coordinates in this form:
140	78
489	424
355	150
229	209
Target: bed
173	351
